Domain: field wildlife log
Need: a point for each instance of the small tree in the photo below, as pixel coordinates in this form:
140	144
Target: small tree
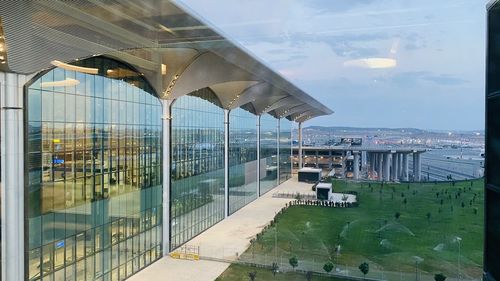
309	275
439	277
294	262
252	275
397	215
428	216
328	267
364	268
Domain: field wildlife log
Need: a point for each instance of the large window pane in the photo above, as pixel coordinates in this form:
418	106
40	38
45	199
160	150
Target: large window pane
83	180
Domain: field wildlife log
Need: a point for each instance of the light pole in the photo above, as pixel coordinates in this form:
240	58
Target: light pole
417	261
458	240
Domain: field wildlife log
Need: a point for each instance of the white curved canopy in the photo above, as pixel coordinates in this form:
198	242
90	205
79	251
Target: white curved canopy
175	51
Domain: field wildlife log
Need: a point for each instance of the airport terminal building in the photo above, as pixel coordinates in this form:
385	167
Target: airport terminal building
128	128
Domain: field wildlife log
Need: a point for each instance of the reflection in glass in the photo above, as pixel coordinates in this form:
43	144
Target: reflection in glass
197	165
285	150
268	153
243	183
94	181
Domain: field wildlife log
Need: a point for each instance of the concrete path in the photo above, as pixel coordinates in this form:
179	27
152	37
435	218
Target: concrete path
225	240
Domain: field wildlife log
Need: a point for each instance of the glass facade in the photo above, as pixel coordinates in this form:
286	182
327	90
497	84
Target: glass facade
285	150
93	192
492	209
197	165
243	184
268	153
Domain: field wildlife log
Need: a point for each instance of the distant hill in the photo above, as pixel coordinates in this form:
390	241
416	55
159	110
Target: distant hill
335	129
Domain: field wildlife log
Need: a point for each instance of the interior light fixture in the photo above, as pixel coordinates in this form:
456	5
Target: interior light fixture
76	68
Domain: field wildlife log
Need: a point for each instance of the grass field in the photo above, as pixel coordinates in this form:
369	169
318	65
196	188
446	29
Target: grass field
240	273
430	221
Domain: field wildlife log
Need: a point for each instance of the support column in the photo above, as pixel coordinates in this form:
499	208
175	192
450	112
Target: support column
278	158
419	167
226	163
416	166
258	155
166	122
380	165
12	191
330	160
300	146
395	167
400	166
405	167
387	166
356	165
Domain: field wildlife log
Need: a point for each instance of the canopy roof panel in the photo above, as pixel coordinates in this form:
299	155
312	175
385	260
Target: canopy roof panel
175	50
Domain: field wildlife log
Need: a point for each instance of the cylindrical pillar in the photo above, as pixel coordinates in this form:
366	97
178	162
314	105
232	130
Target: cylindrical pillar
356	165
226	163
166	120
258	155
416	166
400	166
300	146
12	191
380	164
405	167
387	166
395	166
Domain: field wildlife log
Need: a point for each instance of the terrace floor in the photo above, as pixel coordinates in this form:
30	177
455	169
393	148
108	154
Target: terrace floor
225	240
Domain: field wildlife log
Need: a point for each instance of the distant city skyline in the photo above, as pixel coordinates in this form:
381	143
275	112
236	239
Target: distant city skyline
376	63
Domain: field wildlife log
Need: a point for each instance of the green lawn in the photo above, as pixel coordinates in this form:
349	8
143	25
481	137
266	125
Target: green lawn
371	232
238	272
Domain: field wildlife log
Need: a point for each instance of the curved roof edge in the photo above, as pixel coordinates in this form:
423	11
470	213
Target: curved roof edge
173	47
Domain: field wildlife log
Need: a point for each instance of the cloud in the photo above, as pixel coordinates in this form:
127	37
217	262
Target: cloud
407	79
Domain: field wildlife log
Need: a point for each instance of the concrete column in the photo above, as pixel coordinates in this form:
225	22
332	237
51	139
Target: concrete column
387	166
300	146
416	167
226	163
258	155
166	121
395	167
380	165
419	167
356	165
278	128
405	167
12	191
400	166
330	164
317	159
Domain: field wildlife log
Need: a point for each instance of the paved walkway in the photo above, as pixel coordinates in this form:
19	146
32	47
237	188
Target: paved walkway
226	239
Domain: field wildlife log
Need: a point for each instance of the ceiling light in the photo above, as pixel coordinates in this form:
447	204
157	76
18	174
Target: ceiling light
82	69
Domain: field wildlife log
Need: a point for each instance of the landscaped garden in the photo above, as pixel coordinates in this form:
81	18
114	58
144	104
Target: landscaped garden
396	227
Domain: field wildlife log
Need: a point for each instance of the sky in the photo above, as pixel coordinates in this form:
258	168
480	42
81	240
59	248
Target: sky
376	63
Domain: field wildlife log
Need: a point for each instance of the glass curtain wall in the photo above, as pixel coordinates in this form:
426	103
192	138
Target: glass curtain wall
268	153
93	186
197	165
492	208
285	150
243	184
